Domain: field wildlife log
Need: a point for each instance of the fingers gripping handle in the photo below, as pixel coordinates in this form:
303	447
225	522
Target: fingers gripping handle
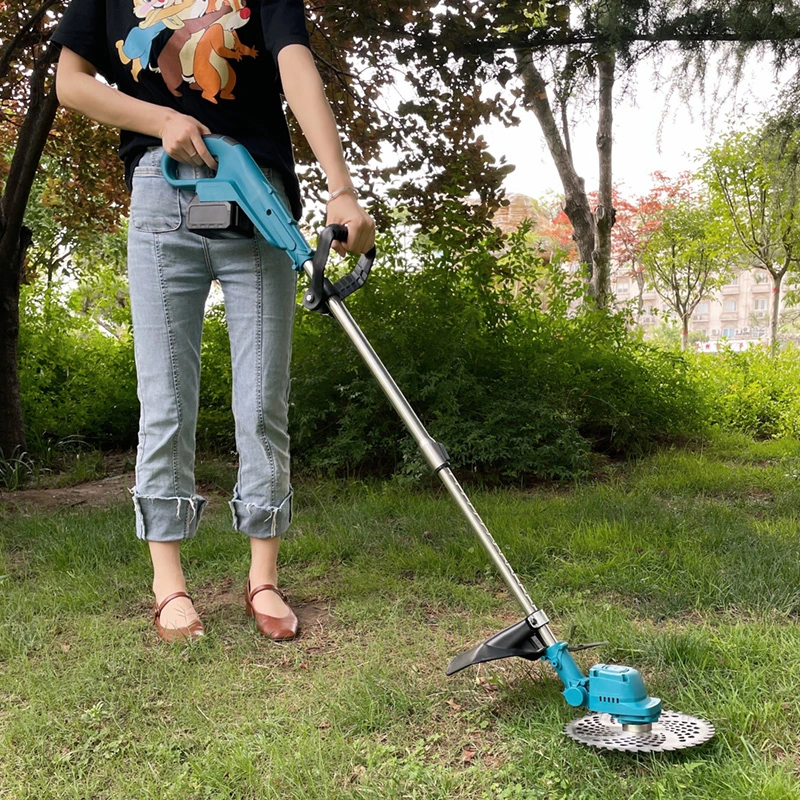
320	288
331	234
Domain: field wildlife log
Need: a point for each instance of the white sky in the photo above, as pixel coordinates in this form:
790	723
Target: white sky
645	138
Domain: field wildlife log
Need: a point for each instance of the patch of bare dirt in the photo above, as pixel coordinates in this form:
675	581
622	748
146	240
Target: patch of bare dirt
93	494
226	599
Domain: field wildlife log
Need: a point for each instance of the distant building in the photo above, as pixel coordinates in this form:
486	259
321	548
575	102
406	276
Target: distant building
737	311
520	207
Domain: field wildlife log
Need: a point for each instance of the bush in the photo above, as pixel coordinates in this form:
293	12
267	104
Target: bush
474	391
215	429
508	385
488	350
752	391
76	380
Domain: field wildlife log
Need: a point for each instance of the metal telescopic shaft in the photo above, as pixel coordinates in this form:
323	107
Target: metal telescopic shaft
433	454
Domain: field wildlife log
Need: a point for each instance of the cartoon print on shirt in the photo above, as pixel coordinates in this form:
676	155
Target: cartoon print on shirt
175	59
173	13
135	49
189	21
156	16
220	42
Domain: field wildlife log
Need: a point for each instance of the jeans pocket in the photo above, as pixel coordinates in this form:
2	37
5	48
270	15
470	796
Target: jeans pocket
155	205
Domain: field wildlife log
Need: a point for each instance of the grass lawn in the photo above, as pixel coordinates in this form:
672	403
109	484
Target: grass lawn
688	563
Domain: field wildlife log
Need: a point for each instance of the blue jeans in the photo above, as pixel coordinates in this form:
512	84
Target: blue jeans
170	271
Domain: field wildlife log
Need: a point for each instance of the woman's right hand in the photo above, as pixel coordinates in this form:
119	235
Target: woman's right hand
78	88
182	137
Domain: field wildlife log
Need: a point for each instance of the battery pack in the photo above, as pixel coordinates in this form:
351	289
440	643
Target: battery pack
218	219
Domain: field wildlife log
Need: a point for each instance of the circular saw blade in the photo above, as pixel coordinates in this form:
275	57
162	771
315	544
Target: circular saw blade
673	731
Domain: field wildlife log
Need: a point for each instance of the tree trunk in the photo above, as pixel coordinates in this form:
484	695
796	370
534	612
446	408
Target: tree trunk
14	241
12	432
576	203
684	332
639	274
605	214
774	313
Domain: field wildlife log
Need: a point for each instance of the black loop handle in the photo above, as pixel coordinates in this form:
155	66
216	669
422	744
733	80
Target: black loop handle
320	288
333	233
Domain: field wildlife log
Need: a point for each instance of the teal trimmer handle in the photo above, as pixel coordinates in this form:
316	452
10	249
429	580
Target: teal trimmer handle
239	179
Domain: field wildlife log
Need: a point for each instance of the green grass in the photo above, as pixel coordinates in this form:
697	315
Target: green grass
688	563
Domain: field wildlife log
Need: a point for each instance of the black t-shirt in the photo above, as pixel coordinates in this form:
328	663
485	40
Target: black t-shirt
215	60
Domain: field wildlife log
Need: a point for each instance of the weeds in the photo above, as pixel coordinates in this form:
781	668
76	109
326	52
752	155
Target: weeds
16	469
62	463
679	561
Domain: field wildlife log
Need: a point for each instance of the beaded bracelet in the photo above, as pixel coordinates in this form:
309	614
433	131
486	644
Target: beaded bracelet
340	192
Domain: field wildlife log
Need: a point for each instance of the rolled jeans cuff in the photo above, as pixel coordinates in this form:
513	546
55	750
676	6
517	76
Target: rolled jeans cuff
167	519
262	522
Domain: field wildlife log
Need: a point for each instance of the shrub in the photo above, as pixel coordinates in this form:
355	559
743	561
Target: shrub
76	380
215	429
752	391
511	380
475	392
489	351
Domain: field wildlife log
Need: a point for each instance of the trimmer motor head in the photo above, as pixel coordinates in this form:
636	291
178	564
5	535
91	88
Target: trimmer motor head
624	717
673	731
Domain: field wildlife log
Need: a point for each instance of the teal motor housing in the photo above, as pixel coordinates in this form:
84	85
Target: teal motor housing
609	689
618	690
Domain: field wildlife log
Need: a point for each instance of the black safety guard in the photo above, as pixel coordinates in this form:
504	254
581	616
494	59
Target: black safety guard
320	289
518	641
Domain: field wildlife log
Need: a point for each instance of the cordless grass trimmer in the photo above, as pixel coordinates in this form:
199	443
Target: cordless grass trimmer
239	200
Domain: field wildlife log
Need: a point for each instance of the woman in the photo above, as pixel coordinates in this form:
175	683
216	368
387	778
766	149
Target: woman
184	69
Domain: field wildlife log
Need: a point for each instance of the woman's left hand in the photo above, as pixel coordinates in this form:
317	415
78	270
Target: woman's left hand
345	210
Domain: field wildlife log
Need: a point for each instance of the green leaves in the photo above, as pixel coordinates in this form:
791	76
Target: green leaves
754	177
486	343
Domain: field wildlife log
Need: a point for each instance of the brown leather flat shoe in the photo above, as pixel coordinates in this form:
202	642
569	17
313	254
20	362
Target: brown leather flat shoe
276	628
194	630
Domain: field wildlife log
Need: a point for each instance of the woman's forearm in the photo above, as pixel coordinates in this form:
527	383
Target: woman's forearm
303	89
108	106
305	94
78	89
